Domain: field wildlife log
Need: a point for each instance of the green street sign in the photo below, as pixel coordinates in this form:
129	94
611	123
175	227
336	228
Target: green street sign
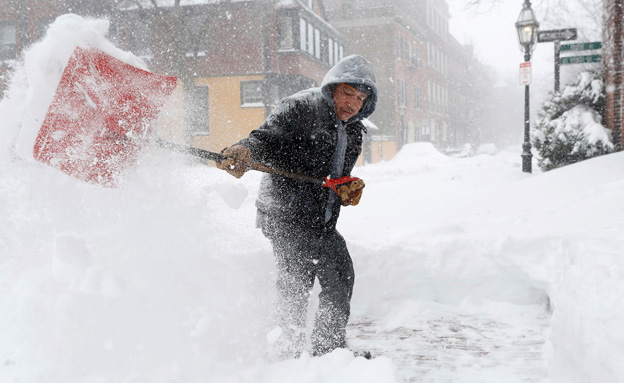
580	59
581	46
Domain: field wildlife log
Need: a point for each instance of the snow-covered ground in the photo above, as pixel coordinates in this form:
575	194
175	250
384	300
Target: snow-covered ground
467	270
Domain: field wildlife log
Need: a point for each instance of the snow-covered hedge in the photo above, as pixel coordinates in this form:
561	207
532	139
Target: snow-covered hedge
569	126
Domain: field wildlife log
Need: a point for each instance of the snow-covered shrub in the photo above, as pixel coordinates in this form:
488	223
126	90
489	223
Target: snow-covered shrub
569	126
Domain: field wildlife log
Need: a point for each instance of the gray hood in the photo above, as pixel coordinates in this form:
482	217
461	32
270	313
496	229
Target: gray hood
353	69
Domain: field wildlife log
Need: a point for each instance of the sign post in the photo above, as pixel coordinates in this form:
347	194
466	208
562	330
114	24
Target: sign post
556	36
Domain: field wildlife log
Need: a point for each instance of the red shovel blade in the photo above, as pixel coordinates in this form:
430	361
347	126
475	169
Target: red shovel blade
100	117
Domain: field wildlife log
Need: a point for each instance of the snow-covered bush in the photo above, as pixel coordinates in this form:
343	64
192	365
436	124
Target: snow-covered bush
569	126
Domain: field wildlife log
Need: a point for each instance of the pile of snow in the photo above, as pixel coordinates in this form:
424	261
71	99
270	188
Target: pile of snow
489	148
167	280
417	150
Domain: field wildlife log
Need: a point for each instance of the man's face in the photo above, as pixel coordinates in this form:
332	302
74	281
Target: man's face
348	101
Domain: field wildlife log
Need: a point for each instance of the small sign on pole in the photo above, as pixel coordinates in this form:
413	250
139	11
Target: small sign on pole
525	73
581	59
581	46
556	35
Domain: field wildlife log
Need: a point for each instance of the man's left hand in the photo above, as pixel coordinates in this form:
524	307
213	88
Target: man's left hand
350	192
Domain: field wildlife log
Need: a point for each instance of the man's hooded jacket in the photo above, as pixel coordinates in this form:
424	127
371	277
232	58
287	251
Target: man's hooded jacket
300	136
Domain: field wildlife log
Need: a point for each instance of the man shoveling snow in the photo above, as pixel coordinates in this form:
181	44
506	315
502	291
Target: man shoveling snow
314	132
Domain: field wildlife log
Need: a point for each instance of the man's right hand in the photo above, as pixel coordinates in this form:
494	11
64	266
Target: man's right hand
236	162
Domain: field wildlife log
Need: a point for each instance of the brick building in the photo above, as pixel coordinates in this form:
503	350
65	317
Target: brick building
431	86
235	59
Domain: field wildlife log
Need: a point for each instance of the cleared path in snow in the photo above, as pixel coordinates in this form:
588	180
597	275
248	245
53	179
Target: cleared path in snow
463	348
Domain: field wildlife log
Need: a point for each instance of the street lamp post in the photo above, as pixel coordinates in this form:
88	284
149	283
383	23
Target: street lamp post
527	27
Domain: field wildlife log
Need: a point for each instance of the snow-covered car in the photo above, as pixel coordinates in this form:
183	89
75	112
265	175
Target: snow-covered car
460	151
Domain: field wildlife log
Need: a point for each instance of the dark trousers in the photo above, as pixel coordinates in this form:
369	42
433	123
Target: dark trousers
301	256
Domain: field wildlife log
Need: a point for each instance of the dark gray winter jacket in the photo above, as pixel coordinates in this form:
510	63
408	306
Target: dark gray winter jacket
300	136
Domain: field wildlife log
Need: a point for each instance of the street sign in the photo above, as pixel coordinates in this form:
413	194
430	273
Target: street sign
525	73
581	59
556	35
581	46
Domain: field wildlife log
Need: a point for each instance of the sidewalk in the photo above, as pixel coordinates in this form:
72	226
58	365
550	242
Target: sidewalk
459	349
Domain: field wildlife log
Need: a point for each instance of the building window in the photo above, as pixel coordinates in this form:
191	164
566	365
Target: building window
428	53
285	33
310	39
401	92
8	49
429	99
251	93
303	28
317	43
402	50
199	115
415	58
335	51
417	97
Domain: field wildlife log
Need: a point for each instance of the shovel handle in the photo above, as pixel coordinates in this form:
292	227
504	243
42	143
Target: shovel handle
217	157
327	182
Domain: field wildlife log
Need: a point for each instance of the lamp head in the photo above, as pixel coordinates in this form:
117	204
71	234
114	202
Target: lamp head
527	27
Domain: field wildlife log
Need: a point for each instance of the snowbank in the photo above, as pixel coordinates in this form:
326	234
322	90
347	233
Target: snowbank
470	235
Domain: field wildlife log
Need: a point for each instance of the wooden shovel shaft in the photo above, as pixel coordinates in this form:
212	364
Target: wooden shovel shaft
217	157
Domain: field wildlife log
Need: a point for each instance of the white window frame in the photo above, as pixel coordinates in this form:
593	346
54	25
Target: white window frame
251	97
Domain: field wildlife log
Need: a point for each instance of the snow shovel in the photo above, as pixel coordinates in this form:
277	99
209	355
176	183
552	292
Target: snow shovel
100	117
332	183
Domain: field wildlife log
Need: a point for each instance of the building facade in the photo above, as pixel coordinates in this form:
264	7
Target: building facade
427	79
235	60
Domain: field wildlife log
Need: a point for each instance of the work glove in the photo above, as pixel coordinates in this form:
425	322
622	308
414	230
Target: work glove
350	192
236	161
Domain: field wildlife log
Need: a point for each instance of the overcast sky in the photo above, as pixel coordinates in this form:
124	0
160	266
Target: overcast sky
490	28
